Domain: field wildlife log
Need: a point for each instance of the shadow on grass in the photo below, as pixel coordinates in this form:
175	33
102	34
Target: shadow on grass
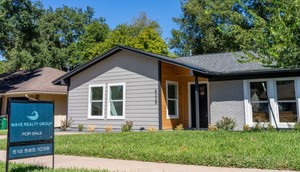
26	169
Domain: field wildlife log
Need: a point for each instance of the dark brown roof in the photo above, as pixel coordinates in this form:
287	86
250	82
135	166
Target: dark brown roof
37	81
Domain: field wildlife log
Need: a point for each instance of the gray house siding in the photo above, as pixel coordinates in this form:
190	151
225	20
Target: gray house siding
140	75
227	99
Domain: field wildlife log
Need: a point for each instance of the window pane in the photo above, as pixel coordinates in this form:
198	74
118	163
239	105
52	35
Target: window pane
172	91
285	90
116	92
116	108
257	91
97	93
260	112
96	109
172	107
287	112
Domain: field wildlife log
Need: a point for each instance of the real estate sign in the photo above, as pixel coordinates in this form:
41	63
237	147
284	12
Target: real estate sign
30	130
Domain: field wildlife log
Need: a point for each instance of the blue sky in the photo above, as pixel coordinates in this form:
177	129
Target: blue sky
122	11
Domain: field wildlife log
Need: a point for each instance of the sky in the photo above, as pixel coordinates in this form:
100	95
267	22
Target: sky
122	11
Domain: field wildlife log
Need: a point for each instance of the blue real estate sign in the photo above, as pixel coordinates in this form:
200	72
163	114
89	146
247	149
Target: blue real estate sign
31	129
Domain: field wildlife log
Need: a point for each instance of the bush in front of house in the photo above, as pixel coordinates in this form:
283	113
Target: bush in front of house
80	127
297	126
226	123
179	127
66	124
127	126
212	127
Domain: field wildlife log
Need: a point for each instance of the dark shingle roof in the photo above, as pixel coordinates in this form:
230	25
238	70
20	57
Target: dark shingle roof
38	81
210	65
222	63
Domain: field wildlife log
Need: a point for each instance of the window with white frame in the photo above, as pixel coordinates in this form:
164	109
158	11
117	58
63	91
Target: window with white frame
116	101
286	100
259	101
172	99
96	101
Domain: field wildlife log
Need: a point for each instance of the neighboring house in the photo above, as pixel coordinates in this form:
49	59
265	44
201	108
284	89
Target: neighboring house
35	85
127	84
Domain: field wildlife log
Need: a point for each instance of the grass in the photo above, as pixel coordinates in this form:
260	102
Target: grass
31	168
3	132
267	150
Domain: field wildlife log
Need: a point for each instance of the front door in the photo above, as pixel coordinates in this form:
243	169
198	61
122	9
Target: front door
203	110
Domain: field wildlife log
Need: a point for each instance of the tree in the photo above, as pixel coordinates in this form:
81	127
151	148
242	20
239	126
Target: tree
267	31
142	33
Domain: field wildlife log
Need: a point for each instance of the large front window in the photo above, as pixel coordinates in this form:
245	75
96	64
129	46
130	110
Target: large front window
280	105
96	101
287	105
116	103
172	99
259	101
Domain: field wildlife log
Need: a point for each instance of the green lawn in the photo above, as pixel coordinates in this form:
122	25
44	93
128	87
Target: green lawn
3	132
30	168
271	150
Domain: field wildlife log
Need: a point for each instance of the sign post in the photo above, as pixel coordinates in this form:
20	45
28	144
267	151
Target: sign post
30	130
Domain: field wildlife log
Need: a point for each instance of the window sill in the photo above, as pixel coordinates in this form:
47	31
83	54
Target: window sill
115	117
173	117
95	117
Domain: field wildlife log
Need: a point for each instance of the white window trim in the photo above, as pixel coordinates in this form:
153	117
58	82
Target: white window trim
272	93
177	108
108	101
90	103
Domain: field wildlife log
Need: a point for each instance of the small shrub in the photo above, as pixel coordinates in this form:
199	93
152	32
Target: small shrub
91	128
108	128
80	127
212	127
151	129
258	127
297	126
226	123
179	127
127	126
246	127
66	124
270	127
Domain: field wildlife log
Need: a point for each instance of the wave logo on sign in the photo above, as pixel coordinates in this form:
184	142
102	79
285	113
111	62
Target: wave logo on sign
34	116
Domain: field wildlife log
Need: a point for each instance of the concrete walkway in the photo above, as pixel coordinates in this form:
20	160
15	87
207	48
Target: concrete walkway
122	165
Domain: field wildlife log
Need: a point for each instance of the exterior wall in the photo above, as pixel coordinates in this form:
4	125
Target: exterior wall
140	74
60	104
227	99
181	75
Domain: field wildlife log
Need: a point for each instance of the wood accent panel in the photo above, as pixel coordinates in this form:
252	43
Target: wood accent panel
181	75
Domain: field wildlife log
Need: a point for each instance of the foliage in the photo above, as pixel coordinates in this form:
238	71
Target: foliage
212	127
108	128
32	36
297	126
258	126
127	126
66	124
80	127
270	127
33	168
91	128
270	29
151	129
270	150
226	123
179	127
246	127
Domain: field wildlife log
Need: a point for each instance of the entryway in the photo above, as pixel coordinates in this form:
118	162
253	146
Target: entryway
203	106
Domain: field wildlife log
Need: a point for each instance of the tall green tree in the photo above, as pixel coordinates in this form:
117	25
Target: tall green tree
266	30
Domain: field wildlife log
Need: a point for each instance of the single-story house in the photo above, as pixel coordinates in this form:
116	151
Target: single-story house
35	85
126	84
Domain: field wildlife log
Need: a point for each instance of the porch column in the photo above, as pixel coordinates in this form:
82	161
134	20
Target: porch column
197	103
